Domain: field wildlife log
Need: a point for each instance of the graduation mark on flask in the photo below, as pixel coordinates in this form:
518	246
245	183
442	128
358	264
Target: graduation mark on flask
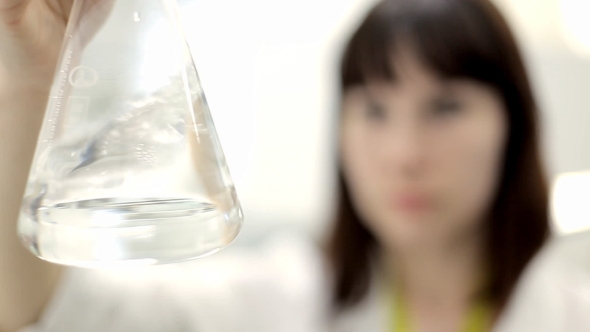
77	110
83	77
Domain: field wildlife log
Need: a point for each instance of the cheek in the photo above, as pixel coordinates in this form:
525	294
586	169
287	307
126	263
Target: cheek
356	150
357	158
474	161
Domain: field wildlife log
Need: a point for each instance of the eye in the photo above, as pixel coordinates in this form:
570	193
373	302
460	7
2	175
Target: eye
446	106
375	111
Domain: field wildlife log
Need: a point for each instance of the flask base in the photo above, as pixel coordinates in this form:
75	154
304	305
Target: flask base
112	232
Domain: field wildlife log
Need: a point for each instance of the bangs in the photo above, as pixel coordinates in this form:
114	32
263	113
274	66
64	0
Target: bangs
450	38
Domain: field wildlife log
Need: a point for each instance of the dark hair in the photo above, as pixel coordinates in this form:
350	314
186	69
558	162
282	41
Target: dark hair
454	38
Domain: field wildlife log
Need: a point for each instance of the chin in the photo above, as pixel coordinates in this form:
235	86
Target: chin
406	232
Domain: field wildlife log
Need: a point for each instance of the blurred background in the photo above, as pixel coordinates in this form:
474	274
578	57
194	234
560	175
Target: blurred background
268	69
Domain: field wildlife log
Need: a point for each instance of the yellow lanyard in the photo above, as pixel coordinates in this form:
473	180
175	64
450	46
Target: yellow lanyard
478	319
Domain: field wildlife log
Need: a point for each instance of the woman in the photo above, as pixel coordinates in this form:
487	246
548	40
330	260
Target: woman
442	197
441	180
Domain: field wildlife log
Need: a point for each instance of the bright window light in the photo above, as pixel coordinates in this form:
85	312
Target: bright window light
576	24
570	202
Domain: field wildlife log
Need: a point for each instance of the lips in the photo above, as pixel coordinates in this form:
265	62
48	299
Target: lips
411	202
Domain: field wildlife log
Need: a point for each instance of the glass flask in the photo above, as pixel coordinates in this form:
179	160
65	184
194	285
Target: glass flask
128	167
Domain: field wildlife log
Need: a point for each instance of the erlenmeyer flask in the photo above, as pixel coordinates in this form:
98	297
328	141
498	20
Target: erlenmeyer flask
128	167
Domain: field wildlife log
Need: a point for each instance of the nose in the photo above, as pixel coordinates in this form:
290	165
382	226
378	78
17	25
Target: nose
402	149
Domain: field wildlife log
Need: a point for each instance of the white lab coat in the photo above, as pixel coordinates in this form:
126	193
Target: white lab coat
282	288
554	293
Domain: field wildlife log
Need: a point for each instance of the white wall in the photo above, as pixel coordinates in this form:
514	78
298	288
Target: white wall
561	74
268	68
554	34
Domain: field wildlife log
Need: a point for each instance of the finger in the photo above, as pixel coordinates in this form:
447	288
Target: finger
7	4
12	11
66	7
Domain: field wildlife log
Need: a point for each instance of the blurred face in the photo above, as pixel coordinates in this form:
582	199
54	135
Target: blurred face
422	156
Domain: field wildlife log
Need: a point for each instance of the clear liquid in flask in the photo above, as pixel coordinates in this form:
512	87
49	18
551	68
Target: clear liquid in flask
147	186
